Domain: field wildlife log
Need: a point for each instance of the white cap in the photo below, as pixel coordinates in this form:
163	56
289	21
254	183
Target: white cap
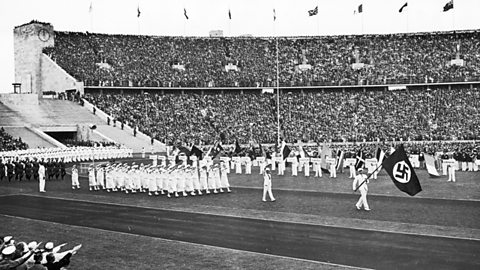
8	250
49	245
7	238
32	244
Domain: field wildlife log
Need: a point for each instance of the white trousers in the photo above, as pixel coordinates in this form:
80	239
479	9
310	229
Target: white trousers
41	184
362	201
267	189
352	171
451	174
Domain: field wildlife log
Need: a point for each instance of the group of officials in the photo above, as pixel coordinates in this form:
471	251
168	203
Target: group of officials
20	255
41	164
173	180
19	169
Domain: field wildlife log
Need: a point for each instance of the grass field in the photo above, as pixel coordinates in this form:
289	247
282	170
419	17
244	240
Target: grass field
322	201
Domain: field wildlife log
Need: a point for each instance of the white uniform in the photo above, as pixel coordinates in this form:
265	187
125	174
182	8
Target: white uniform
333	169
152	183
180	176
100	180
352	171
211	180
109	182
318	169
224	177
91	179
188	181
238	167
451	173
294	168
306	166
195	180
41	178
203	179
363	191
281	167
267	187
75	183
248	166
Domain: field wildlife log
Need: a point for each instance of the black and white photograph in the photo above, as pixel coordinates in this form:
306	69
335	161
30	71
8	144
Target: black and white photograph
239	134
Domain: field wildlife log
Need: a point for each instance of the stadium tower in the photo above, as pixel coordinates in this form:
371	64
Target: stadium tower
39	110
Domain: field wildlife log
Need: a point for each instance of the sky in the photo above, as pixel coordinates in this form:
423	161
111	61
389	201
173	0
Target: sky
255	17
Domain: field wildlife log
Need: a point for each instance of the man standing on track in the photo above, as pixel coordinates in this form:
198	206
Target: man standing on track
41	177
357	181
267	185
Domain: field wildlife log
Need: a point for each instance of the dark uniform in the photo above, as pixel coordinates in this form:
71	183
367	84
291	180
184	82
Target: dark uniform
2	170
28	170
35	166
48	170
10	171
56	169
19	170
63	172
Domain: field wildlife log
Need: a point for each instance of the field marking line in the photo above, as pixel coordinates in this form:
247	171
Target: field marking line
354	193
191	243
13	194
272	219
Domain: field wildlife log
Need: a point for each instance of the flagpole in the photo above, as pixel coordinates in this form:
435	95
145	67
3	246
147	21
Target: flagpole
91	16
362	21
368	177
278	89
408	16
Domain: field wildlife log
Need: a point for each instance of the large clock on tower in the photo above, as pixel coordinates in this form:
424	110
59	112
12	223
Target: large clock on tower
43	35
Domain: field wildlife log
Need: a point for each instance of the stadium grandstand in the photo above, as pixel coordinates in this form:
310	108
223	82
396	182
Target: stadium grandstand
152	151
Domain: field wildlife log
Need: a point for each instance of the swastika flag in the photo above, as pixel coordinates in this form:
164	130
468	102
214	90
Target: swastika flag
401	171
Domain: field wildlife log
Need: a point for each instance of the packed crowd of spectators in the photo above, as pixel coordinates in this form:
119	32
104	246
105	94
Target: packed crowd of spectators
8	143
128	60
336	116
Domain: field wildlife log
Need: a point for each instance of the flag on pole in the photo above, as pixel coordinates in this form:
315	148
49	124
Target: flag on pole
340	155
430	164
229	14
90	9
195	151
326	152
313	12
360	163
401	171
360	8
138	11
274	15
379	155
185	13
217	150
238	148
285	150
448	6
184	150
404	6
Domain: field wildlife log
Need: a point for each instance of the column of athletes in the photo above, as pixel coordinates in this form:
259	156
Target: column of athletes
181	176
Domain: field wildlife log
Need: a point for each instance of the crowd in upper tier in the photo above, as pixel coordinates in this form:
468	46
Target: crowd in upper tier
9	143
416	115
129	60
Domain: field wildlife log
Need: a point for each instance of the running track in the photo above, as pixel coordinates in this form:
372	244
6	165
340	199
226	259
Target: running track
360	248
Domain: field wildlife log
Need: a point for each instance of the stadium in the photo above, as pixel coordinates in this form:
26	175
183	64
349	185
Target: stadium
136	150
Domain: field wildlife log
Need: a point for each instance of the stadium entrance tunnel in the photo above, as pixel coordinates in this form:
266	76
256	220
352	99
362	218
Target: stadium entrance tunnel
64	137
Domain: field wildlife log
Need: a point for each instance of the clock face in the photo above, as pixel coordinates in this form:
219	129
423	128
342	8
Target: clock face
43	35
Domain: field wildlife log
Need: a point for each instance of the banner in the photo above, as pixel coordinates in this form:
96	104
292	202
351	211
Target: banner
430	163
